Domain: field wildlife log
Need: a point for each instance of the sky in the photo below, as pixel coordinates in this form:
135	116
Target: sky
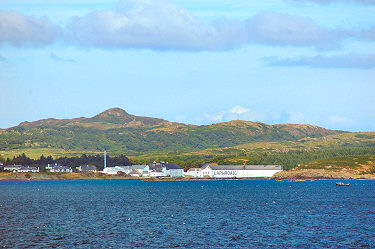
190	61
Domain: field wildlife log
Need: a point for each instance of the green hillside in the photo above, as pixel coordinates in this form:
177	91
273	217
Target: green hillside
119	132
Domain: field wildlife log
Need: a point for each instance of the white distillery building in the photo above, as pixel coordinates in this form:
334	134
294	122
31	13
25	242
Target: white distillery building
163	169
239	171
193	172
134	170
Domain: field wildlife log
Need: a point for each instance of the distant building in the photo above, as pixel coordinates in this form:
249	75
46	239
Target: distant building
135	170
239	171
157	171
12	167
86	168
143	169
28	170
58	168
193	172
21	169
166	169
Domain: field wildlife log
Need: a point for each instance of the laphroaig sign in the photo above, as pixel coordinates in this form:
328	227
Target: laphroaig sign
225	173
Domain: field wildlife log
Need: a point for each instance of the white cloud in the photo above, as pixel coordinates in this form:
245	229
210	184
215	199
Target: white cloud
163	25
152	24
282	29
22	31
235	113
355	61
239	110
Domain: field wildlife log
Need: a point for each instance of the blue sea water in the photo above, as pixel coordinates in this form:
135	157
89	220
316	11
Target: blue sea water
196	214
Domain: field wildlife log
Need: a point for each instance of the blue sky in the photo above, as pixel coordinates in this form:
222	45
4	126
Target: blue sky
190	61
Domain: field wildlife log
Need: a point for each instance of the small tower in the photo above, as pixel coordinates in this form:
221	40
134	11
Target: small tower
105	159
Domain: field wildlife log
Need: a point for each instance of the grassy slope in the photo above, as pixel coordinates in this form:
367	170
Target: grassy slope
158	138
343	140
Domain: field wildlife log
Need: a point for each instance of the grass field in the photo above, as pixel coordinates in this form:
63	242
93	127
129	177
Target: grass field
335	163
36	153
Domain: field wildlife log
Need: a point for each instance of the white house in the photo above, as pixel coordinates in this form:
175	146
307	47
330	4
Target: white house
239	171
27	170
21	169
12	167
58	168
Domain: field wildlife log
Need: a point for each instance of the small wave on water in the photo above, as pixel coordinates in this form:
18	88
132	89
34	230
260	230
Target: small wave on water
212	214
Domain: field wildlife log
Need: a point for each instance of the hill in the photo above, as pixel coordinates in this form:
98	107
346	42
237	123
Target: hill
120	132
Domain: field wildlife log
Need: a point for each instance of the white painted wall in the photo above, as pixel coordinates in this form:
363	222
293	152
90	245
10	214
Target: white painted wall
242	173
237	173
193	173
175	172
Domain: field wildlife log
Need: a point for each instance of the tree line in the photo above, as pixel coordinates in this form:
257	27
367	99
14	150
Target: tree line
97	160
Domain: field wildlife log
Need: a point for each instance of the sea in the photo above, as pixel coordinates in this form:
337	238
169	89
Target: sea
186	214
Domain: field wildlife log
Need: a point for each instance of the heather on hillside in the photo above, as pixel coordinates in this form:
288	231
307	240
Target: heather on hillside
121	132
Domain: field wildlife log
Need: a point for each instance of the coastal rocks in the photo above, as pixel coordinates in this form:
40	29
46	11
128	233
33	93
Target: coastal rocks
321	174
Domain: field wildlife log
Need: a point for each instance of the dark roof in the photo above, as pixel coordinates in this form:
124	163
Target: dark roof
157	169
194	169
156	166
14	165
58	166
28	168
137	166
172	166
88	167
166	165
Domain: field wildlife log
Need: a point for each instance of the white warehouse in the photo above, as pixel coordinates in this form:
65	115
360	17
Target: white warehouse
239	171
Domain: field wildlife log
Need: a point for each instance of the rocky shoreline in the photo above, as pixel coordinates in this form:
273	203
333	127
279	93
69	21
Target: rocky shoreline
321	174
